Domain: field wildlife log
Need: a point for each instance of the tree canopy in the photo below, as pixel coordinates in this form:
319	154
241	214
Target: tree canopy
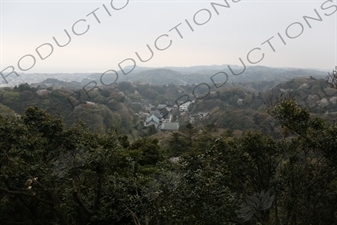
51	174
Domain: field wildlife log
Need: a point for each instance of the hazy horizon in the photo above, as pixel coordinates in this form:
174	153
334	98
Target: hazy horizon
228	33
181	67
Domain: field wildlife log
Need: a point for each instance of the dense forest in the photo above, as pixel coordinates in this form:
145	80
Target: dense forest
261	155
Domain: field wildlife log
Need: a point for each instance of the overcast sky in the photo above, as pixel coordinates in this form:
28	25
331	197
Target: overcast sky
218	39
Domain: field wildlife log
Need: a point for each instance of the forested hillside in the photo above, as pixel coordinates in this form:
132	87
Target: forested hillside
240	156
235	106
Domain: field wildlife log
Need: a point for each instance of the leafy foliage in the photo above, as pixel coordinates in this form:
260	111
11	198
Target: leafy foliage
54	174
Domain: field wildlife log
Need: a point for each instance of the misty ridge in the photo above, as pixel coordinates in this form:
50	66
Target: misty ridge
173	94
169	75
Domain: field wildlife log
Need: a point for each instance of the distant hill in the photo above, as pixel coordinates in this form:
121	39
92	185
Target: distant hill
200	74
169	75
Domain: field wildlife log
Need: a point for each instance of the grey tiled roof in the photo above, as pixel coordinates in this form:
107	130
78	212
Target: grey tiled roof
152	117
170	126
